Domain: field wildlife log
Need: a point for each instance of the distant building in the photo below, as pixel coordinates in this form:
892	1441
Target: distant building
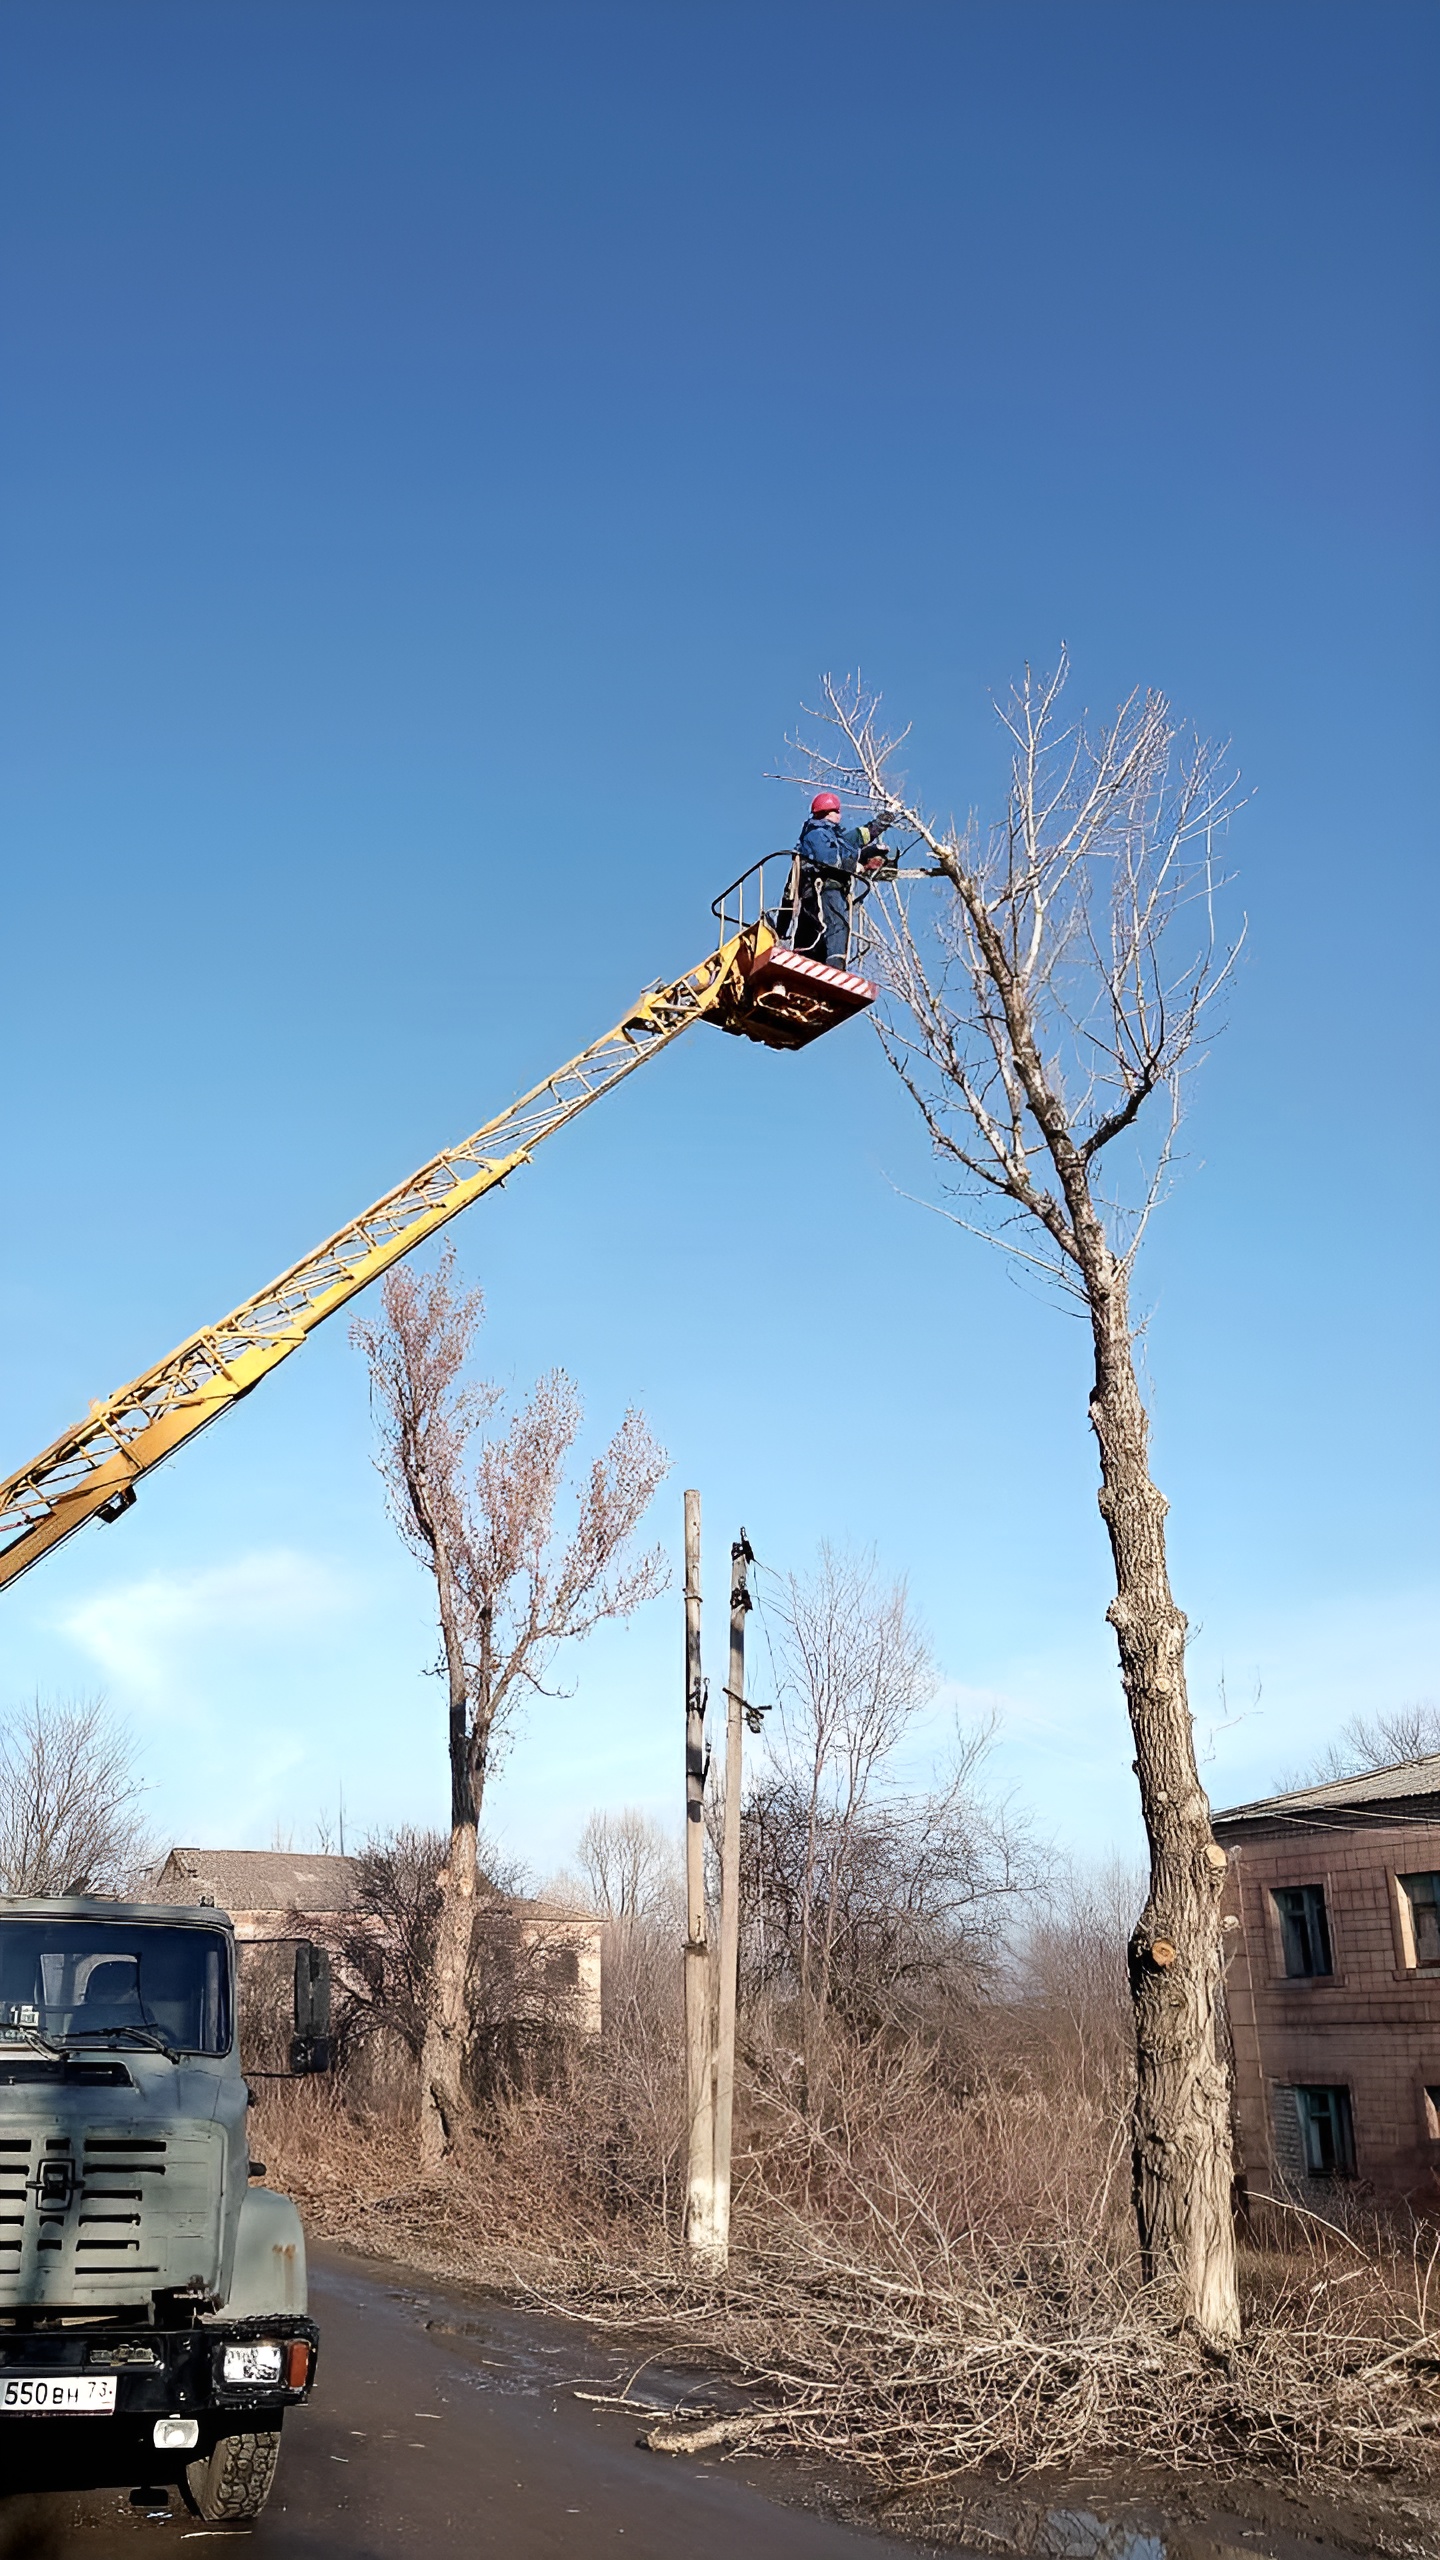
1334	1984
265	1891
260	1888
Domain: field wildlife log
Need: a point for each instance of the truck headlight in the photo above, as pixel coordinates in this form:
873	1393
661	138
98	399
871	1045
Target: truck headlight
258	2360
177	2435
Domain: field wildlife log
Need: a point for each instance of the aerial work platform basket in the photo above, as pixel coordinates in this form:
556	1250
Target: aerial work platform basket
778	995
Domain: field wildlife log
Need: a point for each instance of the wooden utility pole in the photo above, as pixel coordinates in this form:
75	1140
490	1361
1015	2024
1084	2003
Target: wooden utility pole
729	1983
699	2089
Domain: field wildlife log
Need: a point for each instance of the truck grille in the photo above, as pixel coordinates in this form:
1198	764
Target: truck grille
102	2216
117	2180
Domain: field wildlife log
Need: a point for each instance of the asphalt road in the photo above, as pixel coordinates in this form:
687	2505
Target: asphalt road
443	2425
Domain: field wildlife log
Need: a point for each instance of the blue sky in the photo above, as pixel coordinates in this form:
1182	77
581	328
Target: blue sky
444	444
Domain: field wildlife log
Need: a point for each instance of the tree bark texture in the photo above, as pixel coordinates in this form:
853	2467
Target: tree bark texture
447	2027
1183	2164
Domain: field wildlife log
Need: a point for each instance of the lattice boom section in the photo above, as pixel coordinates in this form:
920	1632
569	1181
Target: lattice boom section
139	1426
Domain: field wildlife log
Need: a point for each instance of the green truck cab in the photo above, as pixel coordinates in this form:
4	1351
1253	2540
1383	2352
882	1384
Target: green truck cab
153	2317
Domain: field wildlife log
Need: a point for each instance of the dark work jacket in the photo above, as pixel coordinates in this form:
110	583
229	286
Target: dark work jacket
827	847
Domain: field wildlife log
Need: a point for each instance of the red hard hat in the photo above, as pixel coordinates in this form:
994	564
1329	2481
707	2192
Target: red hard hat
824	805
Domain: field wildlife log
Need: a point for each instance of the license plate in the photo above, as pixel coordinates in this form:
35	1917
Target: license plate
65	2395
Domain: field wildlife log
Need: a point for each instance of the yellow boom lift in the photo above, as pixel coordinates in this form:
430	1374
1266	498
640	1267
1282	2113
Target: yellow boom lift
754	984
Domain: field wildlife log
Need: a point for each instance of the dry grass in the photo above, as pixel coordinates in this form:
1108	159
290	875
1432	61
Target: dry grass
512	2209
935	2285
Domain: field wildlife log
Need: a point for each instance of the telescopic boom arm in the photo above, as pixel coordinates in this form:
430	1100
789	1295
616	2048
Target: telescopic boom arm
753	984
92	1470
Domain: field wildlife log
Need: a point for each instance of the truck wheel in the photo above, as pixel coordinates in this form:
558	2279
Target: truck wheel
235	2480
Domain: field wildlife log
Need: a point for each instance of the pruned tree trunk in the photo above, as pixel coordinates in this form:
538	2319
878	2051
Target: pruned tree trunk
1182	2136
447	2026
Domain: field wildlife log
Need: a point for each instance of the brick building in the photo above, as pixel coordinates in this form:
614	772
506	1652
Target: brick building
1333	1983
268	1891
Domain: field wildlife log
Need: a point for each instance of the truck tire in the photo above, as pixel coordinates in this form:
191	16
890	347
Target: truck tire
235	2479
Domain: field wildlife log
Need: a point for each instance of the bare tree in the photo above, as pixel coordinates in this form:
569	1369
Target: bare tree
897	1906
479	1512
631	1874
859	1896
1068	1987
630	1865
1048	990
854	1671
627	2084
522	1991
1385	1740
70	1802
382	1945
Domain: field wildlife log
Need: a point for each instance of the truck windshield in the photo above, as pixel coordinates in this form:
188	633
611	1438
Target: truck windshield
93	1979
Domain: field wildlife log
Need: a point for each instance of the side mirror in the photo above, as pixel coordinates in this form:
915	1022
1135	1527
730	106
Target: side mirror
310	2045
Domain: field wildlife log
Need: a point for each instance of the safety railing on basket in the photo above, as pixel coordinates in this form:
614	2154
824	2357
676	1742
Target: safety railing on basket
780	891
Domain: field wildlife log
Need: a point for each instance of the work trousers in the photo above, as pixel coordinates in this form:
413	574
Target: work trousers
822	928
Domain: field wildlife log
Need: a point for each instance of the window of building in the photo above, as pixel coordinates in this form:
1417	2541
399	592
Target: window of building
1422	1900
1304	1929
1327	2132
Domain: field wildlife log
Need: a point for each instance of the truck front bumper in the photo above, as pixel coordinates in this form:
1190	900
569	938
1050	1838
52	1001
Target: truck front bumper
165	2373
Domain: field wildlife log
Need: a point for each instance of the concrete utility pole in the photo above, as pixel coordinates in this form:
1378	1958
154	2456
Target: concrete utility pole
699	2092
741	1555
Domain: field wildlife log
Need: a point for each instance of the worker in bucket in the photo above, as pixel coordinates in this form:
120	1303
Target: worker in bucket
834	864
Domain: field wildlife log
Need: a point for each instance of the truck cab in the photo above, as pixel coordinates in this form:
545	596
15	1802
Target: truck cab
153	2316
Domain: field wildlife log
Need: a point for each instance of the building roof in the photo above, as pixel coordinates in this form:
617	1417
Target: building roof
1375	1797
281	1880
257	1879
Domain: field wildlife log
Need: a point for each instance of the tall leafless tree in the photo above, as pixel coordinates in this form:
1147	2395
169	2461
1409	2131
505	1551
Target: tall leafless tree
71	1817
478	1511
1046	989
